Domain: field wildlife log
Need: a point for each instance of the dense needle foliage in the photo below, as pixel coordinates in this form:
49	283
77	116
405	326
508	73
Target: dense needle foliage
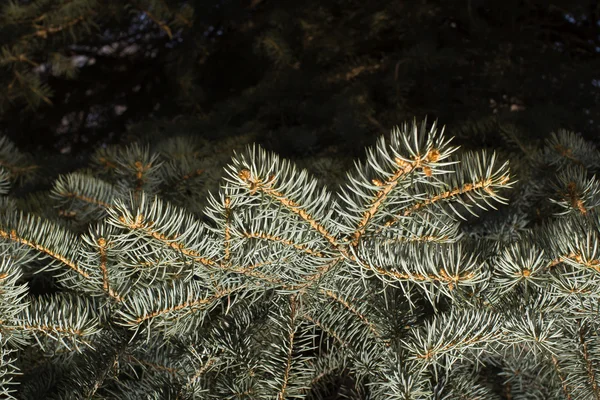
117	284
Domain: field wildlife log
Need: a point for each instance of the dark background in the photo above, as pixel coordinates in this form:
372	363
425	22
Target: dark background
308	78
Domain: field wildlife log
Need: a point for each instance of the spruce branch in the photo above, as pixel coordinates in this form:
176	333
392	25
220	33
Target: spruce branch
288	290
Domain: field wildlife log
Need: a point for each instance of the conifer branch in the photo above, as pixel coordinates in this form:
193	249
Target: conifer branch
14	236
283	290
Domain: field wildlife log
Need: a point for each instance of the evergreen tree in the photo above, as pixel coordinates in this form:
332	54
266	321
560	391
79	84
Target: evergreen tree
313	77
382	286
140	269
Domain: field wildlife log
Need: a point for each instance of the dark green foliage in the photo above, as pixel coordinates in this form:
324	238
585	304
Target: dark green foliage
311	77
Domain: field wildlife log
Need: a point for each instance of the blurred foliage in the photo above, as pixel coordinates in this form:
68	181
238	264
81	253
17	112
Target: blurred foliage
314	78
